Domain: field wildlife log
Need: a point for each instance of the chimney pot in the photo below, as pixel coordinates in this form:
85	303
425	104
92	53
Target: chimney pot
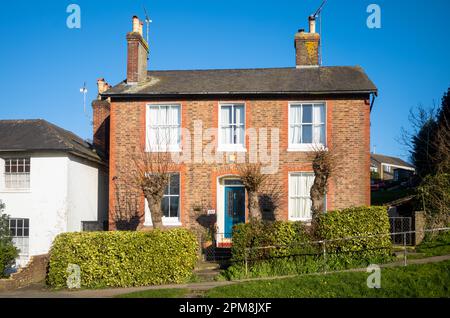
136	24
102	86
312	24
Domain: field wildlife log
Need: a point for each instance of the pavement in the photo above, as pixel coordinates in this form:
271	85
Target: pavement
41	291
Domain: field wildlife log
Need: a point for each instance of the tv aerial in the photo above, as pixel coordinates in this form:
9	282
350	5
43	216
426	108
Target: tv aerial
147	21
318	14
84	91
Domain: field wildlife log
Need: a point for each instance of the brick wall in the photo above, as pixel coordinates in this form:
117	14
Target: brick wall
34	272
348	129
101	109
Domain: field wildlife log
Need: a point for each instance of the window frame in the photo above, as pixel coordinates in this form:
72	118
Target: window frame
173	220
290	174
161	148
5	174
23	237
307	146
236	147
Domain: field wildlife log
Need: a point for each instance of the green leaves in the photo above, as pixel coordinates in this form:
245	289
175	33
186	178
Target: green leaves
124	259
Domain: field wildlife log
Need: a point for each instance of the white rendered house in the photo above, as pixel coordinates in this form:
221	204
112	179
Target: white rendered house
51	182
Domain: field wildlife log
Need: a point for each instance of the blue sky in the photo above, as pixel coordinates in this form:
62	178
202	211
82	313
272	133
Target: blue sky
43	63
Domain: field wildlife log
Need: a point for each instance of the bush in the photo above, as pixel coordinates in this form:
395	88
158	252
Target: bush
8	252
361	222
295	253
124	259
289	237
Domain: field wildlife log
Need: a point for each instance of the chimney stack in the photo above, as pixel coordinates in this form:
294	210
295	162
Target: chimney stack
307	46
102	86
137	54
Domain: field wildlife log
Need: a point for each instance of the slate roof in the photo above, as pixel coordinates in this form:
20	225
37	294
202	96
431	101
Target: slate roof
273	81
40	135
390	160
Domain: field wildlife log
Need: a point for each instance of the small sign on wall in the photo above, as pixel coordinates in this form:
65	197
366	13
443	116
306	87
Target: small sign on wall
211	212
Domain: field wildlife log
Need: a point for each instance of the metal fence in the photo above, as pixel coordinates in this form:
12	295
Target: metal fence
219	249
324	243
399	225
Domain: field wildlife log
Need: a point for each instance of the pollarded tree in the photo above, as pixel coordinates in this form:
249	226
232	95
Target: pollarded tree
323	163
253	180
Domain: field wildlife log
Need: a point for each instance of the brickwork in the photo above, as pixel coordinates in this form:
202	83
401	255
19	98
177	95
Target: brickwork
34	272
348	128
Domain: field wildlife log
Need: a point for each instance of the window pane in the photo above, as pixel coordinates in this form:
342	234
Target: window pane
307	134
226	135
239	116
26	232
225	115
307	114
165	206
295	135
319	114
19	231
240	135
175	184
319	134
153	115
295	115
19	223
174	207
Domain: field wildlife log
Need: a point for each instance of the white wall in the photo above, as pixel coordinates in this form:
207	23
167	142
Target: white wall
45	203
87	193
63	192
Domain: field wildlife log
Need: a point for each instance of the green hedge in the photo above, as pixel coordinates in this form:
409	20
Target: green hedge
289	237
294	252
124	259
359	221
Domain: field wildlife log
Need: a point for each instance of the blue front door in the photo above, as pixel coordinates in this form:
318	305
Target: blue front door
234	208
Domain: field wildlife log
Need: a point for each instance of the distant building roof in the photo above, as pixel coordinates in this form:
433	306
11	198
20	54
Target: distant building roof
40	135
390	160
269	81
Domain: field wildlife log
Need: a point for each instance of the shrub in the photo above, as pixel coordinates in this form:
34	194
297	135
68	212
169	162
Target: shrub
8	252
365	222
124	259
295	253
289	237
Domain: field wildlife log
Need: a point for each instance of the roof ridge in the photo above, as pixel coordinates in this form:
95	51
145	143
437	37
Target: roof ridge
250	68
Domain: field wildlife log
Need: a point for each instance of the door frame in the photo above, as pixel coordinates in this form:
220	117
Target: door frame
220	208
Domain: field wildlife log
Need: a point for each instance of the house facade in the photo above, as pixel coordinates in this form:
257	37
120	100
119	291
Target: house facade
51	181
217	119
391	168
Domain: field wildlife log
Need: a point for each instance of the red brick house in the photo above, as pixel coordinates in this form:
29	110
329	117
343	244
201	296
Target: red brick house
296	107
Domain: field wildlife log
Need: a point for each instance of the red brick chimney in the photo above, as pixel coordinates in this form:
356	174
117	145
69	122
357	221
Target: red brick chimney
137	54
101	111
307	46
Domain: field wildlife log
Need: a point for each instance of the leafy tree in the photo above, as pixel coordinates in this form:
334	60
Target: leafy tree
8	252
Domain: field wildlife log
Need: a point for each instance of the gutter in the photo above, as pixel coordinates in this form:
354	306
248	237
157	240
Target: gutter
153	95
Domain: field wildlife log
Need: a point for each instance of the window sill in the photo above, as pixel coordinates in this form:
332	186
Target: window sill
170	149
233	148
165	222
306	147
15	191
300	219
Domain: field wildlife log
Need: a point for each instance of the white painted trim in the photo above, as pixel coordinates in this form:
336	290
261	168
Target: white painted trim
289	197
230	147
171	148
306	147
396	166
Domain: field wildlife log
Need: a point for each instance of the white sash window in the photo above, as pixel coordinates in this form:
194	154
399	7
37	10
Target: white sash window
307	125
163	128
299	196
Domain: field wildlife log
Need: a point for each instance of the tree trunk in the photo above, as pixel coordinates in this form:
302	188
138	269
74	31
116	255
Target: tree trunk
317	207
154	204
253	206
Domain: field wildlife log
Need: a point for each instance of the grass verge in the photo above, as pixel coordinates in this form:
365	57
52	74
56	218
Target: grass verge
157	293
428	280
